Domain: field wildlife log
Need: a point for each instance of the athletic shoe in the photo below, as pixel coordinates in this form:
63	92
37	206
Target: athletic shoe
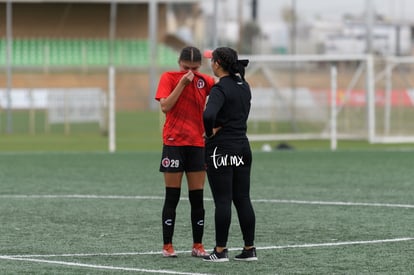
168	250
217	257
198	250
247	255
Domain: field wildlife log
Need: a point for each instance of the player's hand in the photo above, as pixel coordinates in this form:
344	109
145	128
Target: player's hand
187	78
215	130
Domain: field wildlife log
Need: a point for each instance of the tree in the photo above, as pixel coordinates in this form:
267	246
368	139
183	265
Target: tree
251	32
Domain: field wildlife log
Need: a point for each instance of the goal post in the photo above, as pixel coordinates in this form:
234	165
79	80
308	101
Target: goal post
298	97
331	97
394	106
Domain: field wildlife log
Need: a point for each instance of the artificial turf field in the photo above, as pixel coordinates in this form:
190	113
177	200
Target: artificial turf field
318	212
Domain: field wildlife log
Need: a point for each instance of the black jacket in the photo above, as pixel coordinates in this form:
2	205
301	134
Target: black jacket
228	107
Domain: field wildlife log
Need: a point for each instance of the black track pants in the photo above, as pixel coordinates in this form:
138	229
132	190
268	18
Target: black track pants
228	171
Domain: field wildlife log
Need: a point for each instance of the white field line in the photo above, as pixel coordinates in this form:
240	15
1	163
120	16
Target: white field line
339	203
277	247
79	196
332	203
337	243
32	258
75	264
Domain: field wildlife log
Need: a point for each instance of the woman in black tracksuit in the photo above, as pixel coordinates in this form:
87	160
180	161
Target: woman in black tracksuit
228	154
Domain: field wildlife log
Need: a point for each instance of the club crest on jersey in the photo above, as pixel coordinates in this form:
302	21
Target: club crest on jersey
165	162
201	84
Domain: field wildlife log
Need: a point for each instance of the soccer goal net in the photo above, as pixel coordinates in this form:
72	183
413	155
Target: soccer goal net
329	97
394	101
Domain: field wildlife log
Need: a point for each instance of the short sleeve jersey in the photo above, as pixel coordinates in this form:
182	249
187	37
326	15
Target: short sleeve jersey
184	122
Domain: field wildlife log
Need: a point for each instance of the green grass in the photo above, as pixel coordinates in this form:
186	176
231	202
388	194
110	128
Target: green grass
297	195
135	132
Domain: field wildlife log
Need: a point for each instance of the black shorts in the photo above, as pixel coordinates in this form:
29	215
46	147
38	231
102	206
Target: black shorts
182	158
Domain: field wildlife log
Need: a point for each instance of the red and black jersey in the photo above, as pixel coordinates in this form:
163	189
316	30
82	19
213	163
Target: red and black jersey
184	122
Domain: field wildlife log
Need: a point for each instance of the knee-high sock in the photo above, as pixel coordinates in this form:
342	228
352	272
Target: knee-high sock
172	197
197	214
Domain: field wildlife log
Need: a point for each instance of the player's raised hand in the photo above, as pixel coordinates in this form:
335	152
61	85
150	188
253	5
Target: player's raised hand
187	78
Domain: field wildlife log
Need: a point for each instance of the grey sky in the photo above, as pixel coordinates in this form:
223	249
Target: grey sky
270	9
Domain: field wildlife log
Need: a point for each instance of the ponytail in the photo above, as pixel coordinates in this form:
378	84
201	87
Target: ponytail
241	65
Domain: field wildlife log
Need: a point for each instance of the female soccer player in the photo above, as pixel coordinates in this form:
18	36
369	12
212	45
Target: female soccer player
228	154
182	96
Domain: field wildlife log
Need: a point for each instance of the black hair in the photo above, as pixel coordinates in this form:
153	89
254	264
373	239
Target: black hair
191	54
229	61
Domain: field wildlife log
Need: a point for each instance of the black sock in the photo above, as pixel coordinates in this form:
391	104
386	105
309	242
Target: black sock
197	214
172	197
